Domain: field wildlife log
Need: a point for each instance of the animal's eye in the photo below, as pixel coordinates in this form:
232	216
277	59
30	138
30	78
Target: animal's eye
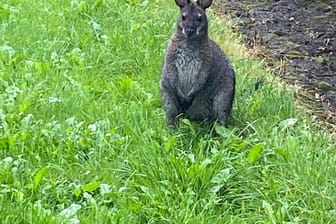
199	18
184	17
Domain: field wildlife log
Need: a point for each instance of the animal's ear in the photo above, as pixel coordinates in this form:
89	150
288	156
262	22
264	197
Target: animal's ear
204	4
182	3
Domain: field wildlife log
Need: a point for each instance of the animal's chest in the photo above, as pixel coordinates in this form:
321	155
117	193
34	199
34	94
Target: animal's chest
188	65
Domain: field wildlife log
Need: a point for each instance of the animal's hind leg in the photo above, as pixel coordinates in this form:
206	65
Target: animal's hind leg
222	105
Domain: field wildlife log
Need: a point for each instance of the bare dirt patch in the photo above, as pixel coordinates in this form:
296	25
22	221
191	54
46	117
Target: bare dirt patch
302	36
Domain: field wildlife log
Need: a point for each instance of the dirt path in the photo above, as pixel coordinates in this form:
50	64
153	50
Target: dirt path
299	33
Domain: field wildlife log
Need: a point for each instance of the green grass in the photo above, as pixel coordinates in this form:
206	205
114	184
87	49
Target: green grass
83	137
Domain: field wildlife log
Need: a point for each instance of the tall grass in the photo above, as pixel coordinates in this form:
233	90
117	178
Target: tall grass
83	138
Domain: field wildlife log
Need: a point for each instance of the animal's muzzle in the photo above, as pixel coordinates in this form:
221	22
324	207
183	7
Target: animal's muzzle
189	31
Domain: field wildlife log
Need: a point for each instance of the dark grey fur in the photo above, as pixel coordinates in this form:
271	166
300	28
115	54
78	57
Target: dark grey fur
197	80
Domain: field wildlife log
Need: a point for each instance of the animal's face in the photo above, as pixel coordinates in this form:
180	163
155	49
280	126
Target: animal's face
193	21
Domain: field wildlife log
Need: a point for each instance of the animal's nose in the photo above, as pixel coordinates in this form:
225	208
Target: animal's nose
189	31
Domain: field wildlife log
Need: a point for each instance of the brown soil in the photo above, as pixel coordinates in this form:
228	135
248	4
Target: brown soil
300	34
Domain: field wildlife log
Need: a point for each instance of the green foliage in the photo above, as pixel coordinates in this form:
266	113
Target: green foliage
83	137
38	177
254	152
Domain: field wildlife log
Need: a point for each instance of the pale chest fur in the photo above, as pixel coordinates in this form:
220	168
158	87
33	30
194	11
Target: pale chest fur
188	65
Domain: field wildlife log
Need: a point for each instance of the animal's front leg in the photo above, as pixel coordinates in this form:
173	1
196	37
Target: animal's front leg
170	102
183	101
201	79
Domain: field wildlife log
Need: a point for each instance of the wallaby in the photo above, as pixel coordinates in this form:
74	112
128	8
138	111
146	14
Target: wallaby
197	79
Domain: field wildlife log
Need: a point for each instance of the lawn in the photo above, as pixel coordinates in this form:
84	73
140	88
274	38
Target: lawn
83	137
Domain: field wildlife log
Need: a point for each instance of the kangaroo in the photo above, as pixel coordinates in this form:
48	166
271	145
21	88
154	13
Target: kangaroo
197	79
